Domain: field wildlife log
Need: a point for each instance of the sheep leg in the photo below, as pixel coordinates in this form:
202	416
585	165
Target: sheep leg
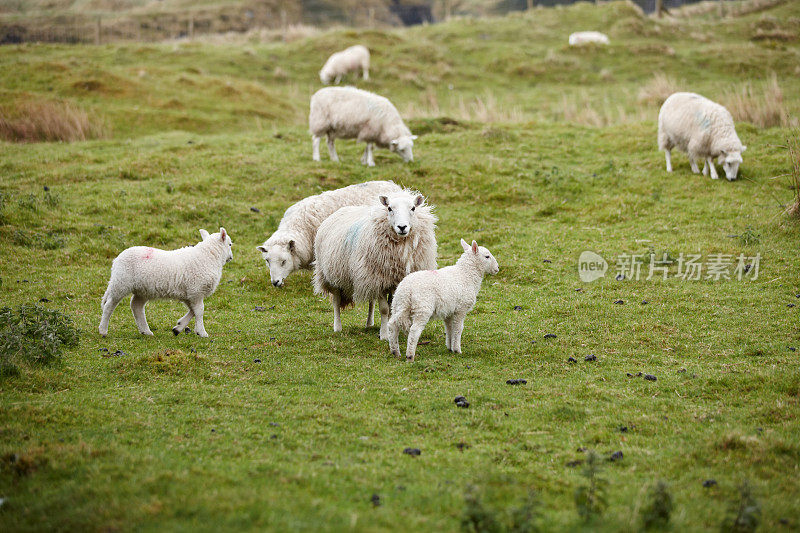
394	334
669	160
137	307
710	165
371	314
336	301
338	79
383	306
366	72
315	148
413	338
108	307
184	320
448	333
693	164
705	168
197	308
370	159
458	328
332	149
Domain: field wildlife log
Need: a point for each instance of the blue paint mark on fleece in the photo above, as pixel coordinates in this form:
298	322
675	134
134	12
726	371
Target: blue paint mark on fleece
702	120
352	234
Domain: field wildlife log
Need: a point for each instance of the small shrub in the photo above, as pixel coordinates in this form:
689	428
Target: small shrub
750	236
590	499
48	121
658	89
656	513
476	518
525	517
51	240
745	514
33	334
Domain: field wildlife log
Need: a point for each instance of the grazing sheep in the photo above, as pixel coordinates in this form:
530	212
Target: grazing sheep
188	274
350	113
291	247
363	252
349	60
585	37
701	128
448	293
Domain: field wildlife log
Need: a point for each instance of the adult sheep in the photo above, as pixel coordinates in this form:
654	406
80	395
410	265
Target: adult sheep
291	247
348	60
350	113
362	253
585	37
701	128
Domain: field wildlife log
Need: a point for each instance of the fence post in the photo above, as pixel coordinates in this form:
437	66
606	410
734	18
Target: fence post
97	30
284	25
190	31
448	11
530	5
371	16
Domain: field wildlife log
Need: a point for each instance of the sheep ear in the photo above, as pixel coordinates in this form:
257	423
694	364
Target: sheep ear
261	249
291	246
474	247
222	233
744	148
464	245
385	200
203	234
394	142
418	200
414	137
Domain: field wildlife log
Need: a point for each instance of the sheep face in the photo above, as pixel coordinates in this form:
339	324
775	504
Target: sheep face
485	257
227	244
401	212
730	161
280	259
403	146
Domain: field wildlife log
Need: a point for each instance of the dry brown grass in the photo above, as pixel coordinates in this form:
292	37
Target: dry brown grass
761	105
656	91
483	108
793	146
48	121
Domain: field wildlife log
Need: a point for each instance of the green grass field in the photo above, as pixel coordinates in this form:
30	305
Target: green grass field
275	422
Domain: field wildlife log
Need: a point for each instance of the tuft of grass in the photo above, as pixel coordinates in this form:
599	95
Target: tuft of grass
658	89
744	514
590	499
761	106
793	149
47	121
476	518
33	334
656	513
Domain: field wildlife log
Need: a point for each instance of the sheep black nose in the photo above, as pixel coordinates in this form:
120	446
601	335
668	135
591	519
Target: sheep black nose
402	228
277	283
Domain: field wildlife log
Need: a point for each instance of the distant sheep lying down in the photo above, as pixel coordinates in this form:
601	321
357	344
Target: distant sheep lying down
350	113
585	37
349	60
291	247
188	274
703	129
448	293
362	253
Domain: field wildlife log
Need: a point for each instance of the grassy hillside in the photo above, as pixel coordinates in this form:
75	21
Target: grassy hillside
539	152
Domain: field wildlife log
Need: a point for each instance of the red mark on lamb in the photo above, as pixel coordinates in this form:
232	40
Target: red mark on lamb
148	254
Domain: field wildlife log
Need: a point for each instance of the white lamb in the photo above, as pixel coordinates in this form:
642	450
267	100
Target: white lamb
448	293
362	253
586	37
349	60
701	128
350	113
188	274
291	247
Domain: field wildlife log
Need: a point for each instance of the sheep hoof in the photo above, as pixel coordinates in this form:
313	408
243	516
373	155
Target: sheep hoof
148	333
410	359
